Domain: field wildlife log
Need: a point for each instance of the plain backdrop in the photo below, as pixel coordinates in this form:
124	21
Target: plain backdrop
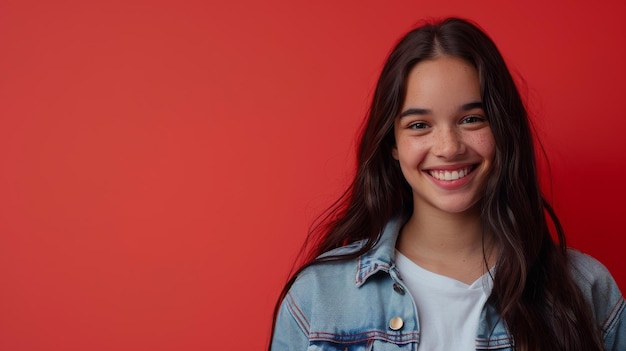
161	161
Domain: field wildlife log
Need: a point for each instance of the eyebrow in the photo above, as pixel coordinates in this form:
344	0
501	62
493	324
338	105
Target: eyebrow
425	111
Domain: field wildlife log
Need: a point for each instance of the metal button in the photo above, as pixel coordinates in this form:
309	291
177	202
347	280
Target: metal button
398	288
396	323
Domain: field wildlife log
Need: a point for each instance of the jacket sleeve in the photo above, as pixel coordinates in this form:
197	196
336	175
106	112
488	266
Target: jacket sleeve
614	329
604	297
290	332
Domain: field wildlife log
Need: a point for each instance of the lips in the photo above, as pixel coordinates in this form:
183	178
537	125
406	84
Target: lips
450	174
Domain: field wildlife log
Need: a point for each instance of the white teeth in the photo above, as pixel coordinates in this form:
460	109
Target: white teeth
450	175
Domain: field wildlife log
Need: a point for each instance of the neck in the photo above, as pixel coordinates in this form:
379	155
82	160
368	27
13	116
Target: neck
451	244
442	232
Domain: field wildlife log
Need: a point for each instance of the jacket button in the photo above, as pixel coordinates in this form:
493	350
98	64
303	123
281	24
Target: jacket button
398	288
396	323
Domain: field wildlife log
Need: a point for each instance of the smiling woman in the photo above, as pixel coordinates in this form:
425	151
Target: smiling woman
444	145
442	241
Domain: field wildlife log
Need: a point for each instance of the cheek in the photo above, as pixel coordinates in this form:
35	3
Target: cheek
485	144
410	151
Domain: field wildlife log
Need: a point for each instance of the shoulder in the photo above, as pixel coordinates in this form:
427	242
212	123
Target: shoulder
340	269
325	296
600	290
313	297
333	275
337	288
591	275
321	279
311	300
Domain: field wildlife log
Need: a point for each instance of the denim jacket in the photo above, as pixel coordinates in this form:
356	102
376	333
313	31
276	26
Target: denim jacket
363	304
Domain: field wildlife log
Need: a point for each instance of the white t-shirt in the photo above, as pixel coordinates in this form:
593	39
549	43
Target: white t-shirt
448	310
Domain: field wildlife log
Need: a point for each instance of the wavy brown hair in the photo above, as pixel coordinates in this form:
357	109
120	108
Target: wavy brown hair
534	291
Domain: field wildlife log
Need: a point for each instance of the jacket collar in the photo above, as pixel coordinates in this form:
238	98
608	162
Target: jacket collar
382	256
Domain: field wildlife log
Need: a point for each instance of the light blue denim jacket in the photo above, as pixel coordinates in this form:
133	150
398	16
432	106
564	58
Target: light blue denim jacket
363	304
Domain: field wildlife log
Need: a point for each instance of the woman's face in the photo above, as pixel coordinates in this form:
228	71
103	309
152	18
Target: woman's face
443	139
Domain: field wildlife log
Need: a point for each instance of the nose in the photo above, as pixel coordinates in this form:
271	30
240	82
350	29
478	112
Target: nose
448	143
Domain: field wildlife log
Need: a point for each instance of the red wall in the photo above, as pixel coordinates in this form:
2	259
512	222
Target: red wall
160	161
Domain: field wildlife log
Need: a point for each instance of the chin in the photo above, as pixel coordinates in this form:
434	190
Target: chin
459	208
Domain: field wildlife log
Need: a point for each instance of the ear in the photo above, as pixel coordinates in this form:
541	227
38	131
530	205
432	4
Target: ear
394	153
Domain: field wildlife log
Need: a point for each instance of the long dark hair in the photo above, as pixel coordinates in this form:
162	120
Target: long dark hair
538	300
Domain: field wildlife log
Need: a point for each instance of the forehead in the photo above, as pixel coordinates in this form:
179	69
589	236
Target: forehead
445	80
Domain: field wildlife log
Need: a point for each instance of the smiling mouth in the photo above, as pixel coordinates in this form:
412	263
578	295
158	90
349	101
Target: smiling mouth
450	175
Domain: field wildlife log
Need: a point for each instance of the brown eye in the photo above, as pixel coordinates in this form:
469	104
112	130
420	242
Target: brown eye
473	119
418	125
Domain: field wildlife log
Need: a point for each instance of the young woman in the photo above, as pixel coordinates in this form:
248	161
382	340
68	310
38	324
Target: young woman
442	241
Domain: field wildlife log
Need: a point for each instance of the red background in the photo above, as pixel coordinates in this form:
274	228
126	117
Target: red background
161	160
